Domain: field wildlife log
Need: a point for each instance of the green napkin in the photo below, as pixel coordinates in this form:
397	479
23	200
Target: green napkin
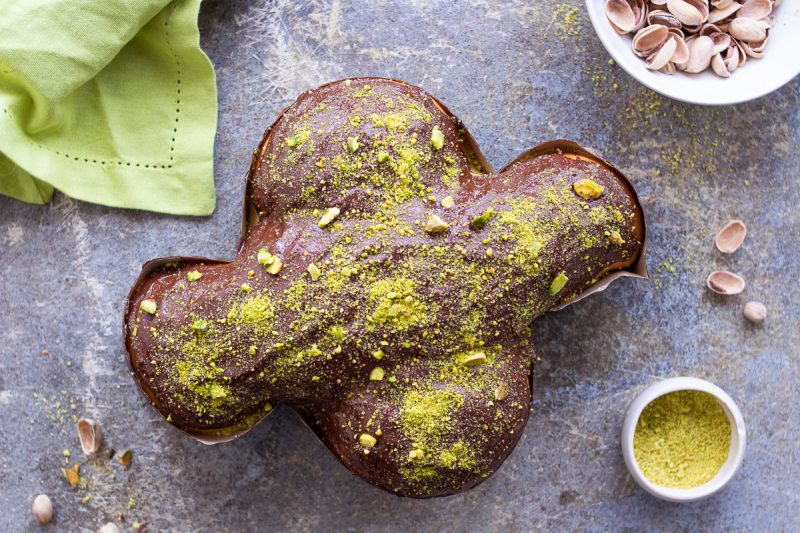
108	101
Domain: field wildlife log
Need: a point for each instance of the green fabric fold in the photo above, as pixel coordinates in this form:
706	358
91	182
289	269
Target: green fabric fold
110	102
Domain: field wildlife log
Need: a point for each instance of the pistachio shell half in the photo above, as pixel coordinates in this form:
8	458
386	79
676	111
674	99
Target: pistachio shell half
748	30
724	282
755	9
90	436
730	237
701	50
689	12
626	15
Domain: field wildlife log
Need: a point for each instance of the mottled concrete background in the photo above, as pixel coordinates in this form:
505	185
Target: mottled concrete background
517	73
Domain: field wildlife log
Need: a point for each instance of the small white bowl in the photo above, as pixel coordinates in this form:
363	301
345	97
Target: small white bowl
729	467
780	64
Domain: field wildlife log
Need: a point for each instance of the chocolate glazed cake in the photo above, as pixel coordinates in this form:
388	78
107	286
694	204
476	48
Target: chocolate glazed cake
384	287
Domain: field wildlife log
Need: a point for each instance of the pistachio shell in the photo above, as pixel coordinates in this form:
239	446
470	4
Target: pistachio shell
721	4
755	9
681	55
649	39
701	50
620	15
724	282
661	58
730	237
719	67
669	68
755	312
689	12
721	41
90	436
755	50
664	18
748	30
721	13
42	509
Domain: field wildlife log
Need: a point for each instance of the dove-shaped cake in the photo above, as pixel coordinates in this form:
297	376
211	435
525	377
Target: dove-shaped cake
384	287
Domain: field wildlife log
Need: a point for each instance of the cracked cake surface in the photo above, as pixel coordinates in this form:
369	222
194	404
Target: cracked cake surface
384	287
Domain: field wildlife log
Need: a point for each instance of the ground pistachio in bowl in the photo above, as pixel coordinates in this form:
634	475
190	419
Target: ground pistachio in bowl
693	35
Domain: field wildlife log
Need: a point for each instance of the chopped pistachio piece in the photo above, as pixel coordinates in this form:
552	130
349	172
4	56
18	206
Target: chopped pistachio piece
616	238
475	359
481	220
275	266
294	140
328	216
367	440
194	275
535	248
437	138
588	189
383	157
448	202
558	283
376	374
246	287
263	256
378	354
435	224
199	325
352	144
416	454
148	306
314	271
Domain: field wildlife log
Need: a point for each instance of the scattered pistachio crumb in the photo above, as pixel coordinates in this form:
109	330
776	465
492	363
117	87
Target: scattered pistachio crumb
263	256
558	283
328	216
588	189
275	267
481	220
314	271
367	440
437	138
435	224
475	359
416	454
148	306
194	275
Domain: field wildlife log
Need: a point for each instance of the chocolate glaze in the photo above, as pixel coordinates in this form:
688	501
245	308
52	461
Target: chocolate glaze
222	350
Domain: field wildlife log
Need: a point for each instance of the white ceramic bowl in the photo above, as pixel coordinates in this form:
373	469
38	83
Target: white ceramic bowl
729	467
781	62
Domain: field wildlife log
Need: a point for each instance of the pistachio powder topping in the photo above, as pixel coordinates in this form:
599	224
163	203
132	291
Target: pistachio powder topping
682	439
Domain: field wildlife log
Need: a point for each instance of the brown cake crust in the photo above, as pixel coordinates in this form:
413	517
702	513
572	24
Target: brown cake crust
443	316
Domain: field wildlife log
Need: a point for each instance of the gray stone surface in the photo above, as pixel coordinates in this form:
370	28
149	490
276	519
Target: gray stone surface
517	73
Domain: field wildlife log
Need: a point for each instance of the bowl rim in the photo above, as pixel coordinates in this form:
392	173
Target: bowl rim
726	471
597	17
